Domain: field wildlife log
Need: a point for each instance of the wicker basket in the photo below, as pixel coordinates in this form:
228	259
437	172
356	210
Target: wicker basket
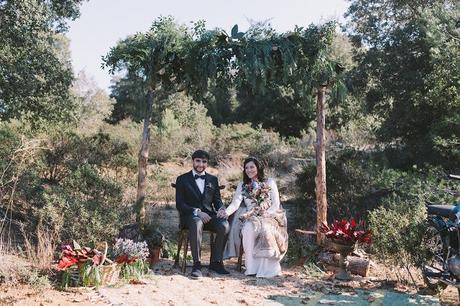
70	277
108	270
109	273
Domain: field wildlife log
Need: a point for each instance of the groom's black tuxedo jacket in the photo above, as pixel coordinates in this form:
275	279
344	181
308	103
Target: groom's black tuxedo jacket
188	195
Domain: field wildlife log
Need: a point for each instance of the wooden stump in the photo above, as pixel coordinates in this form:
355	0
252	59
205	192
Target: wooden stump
356	265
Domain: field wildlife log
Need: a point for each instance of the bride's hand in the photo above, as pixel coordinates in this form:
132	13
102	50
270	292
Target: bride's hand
246	215
264	205
222	213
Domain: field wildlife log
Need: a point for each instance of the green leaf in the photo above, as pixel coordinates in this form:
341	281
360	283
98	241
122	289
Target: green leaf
235	31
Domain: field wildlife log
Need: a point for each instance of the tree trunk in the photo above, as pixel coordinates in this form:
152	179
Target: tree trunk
143	161
320	179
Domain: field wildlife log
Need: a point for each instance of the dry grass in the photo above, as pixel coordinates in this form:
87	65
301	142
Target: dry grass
15	270
40	253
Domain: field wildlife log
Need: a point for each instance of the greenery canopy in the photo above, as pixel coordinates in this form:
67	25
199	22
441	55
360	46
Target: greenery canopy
172	55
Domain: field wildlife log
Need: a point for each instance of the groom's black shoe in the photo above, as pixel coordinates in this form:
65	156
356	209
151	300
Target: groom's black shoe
196	270
218	267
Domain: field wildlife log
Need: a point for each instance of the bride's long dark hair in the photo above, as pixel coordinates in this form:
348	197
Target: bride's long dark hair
260	170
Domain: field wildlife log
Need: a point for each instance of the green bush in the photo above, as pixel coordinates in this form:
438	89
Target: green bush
350	190
268	146
183	127
233	138
128	132
63	181
398	225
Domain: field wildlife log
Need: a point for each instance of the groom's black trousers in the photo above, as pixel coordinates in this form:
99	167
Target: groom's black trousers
195	226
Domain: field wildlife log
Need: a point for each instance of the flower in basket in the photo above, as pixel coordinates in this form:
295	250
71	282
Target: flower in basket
75	254
128	251
346	232
132	256
80	265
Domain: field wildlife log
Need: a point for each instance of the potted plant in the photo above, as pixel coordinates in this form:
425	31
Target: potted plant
155	241
149	233
343	236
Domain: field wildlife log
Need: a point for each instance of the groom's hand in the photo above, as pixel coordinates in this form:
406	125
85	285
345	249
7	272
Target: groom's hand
204	217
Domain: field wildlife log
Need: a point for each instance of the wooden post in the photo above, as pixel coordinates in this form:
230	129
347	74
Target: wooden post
143	161
320	179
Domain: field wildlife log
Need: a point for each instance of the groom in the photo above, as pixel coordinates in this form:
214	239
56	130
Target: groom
198	201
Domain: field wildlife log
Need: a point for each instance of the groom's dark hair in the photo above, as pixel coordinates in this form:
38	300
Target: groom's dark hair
259	166
200	154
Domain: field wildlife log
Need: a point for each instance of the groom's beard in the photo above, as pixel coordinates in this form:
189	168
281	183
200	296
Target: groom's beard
199	169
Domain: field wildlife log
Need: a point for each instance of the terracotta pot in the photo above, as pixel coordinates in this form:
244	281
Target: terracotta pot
154	256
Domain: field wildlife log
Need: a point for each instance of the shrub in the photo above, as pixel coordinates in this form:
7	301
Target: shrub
233	138
267	146
350	192
183	128
61	182
399	224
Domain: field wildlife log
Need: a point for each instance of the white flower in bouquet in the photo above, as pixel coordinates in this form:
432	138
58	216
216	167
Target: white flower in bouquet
130	249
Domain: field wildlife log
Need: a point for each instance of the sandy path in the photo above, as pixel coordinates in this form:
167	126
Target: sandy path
168	287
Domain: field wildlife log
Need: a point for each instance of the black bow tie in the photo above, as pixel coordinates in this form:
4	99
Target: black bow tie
197	176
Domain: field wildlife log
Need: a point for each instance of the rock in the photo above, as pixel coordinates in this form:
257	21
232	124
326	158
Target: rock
305	300
329	302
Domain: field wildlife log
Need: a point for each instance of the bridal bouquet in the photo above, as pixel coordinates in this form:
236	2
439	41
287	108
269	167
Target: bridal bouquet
259	193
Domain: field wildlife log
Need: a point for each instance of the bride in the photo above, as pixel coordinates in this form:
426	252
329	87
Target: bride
260	221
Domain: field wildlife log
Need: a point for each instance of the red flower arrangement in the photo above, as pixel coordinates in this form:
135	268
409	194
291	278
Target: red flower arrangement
346	231
75	254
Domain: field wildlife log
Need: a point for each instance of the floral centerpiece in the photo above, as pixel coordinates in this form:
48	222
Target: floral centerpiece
343	236
132	256
81	265
346	232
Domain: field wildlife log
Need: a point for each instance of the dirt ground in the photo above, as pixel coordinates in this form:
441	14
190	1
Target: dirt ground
165	285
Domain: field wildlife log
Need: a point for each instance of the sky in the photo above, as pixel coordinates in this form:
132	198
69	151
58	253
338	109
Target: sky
104	22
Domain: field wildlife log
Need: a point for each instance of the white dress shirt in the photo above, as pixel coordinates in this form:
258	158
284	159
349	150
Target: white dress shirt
199	182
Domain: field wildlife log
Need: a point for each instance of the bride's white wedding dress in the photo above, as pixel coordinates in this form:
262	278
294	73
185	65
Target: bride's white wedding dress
263	262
